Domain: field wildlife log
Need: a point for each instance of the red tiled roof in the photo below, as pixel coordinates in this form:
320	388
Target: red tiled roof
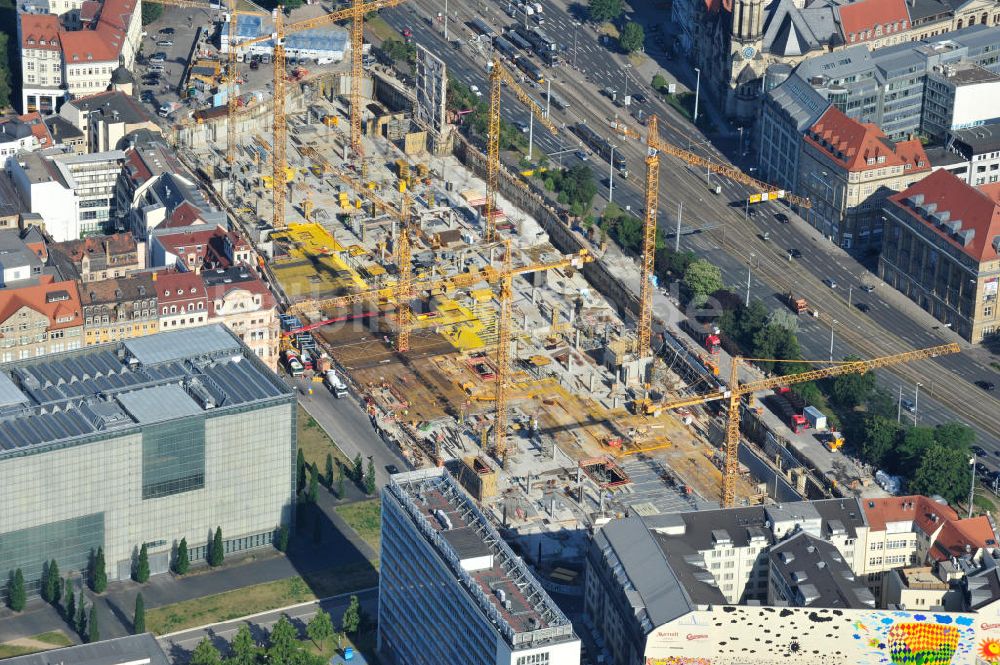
925	513
184	215
977	209
137	169
178	287
255	286
64	303
213	243
38	128
871	19
975	532
38	28
103	43
858	146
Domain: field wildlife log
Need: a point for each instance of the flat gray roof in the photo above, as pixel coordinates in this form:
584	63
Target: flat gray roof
132	650
156	349
69	397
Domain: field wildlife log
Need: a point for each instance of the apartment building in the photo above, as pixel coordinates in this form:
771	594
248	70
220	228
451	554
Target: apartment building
654	595
73	193
105	118
182	298
848	169
60	63
941	248
98	257
40	319
978	152
20	263
238	298
452	591
119	308
888	86
959	96
23	133
199	247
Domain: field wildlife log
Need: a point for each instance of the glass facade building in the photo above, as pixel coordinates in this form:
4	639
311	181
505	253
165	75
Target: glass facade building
451	591
147	441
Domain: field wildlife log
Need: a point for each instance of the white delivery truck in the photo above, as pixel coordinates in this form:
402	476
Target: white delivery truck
336	386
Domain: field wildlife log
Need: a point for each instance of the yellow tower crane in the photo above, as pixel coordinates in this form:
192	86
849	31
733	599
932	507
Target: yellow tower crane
654	146
735	392
279	147
498	75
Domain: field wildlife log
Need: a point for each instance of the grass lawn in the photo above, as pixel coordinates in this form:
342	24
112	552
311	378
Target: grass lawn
55	637
378	27
315	443
365	643
260	597
365	517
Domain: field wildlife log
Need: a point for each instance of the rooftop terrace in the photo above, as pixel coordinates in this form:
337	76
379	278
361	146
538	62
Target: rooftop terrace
498	581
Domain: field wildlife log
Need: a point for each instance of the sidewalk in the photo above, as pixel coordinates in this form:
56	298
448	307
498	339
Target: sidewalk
116	606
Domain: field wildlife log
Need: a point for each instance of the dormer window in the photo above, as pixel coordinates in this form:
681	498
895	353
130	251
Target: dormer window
920	163
871	161
881	159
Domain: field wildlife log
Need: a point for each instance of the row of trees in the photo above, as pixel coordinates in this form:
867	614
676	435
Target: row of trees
574	187
282	644
60	594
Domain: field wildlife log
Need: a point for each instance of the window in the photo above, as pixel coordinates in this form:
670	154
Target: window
534	659
173	458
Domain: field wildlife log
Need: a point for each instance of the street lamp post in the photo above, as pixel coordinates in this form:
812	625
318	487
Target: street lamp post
972	485
611	175
697	90
916	402
749	273
850	291
531	134
446	20
741	140
832	324
625	77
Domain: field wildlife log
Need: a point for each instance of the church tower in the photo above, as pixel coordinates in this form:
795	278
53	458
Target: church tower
747	36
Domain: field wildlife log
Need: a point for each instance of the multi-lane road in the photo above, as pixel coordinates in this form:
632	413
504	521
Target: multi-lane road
891	325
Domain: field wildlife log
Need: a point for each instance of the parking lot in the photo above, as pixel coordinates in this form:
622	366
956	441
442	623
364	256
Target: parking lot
173	35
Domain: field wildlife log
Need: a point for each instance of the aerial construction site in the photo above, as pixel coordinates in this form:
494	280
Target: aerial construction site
473	327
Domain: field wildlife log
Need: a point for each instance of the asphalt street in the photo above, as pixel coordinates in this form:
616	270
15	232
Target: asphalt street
348	425
728	237
179	645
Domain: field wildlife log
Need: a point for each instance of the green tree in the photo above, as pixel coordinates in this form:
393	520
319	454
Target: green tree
351	620
57	583
141	574
955	435
702	278
281	539
628	231
182	562
358	468
605	10
942	471
139	617
292	5
328	476
659	83
151	12
340	481
81	616
850	390
216	553
632	37
244	650
93	631
4	71
300	465
69	612
283	641
913	448
313	483
878	440
320	628
16	595
48	584
370	478
205	654
99	573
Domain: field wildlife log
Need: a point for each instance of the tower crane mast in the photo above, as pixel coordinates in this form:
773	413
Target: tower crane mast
736	391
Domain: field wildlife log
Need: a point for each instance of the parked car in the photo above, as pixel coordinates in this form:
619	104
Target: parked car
829	281
908	406
794	253
166	31
867	288
165	42
639	97
979	450
988	386
392	469
581	155
862	307
781	217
